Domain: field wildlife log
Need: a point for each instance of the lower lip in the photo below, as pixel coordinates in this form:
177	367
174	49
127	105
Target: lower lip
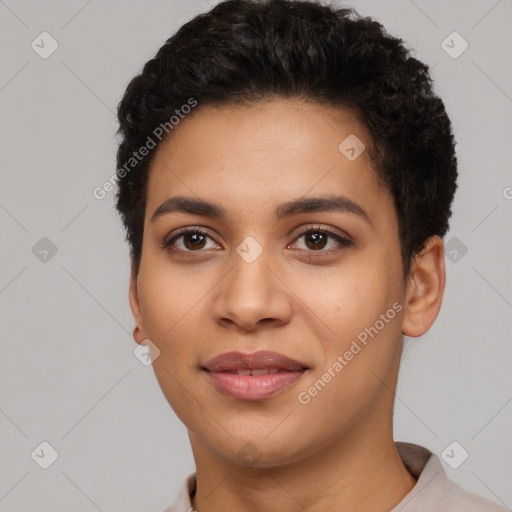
254	387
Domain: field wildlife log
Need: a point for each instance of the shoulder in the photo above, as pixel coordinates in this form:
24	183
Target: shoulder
183	502
434	491
454	498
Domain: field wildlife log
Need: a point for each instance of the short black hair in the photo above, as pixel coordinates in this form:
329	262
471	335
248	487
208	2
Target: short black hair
244	51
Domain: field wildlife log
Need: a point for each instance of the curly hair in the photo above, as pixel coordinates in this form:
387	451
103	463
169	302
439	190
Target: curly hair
244	51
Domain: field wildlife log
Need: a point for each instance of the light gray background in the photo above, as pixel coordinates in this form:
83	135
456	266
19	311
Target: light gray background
68	374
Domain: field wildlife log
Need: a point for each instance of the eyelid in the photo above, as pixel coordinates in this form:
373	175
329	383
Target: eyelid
343	241
308	227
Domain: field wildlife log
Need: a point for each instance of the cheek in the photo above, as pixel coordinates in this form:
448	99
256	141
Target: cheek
170	305
168	296
357	306
176	310
350	298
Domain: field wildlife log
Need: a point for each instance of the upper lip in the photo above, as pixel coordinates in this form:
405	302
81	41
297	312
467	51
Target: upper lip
256	360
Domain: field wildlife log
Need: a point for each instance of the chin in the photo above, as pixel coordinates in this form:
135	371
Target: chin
258	452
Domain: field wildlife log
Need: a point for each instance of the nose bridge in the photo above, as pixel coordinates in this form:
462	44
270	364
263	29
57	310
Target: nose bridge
251	291
250	276
251	267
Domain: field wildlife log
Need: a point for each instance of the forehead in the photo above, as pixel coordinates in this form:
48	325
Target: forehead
263	154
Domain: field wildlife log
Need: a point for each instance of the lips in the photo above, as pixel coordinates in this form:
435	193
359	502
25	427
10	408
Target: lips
253	376
233	361
255	371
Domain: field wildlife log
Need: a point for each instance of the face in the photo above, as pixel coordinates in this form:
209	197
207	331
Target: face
317	281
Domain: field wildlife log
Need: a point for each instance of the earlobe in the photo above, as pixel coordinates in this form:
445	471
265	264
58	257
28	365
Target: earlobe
133	297
425	288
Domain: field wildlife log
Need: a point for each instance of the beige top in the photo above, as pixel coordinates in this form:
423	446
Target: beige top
433	492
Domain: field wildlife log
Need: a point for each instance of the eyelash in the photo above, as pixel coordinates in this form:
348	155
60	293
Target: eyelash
344	242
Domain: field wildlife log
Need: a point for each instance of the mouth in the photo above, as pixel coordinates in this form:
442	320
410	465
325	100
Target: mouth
253	376
256	371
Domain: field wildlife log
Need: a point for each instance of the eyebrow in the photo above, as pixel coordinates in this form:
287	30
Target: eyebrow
324	203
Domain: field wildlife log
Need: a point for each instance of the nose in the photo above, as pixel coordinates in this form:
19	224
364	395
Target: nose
252	294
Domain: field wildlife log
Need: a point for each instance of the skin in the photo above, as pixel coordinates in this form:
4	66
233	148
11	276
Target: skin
337	452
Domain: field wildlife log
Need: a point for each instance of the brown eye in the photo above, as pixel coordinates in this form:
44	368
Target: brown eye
316	239
194	240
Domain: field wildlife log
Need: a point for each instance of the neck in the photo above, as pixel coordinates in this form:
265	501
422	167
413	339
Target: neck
361	472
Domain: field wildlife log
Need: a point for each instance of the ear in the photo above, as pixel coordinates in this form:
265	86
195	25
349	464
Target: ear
425	288
139	334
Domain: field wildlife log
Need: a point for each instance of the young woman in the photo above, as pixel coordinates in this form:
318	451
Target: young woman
285	178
